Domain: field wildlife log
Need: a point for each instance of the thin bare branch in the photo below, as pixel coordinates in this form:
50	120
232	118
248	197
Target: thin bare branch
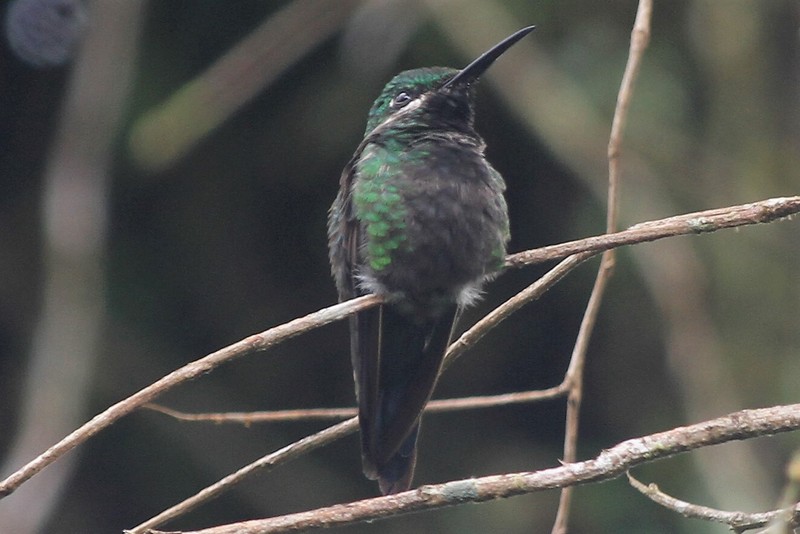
640	36
574	382
737	521
265	463
691	223
609	464
434	406
254	343
249	418
496	316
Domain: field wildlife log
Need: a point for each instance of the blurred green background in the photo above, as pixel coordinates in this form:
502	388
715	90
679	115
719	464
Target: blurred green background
173	250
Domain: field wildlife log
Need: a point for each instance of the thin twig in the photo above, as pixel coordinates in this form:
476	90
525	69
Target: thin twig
434	406
609	464
640	37
249	418
706	221
737	521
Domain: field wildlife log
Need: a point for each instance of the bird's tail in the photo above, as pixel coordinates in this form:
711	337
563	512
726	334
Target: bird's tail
393	387
395	475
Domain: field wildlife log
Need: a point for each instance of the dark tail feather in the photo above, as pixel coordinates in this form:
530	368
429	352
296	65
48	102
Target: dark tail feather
364	340
394	385
395	475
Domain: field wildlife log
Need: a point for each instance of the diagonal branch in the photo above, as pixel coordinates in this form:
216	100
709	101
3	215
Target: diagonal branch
609	464
265	463
254	343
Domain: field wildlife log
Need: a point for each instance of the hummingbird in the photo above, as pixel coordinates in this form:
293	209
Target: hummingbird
420	219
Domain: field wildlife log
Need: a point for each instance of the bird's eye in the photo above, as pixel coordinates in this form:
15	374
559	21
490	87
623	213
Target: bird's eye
400	100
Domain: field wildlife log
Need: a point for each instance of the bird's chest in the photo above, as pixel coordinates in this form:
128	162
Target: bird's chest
429	218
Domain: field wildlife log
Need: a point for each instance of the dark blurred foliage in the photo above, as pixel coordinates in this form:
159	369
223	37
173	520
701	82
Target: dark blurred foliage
230	240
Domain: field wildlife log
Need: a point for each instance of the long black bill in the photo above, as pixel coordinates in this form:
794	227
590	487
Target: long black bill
472	71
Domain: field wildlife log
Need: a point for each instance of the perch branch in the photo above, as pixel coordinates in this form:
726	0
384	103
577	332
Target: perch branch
691	223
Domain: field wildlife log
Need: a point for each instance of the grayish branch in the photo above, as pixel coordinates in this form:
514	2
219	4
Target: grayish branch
737	521
609	464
